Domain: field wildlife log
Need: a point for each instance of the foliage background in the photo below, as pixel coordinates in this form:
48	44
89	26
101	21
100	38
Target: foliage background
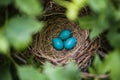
19	21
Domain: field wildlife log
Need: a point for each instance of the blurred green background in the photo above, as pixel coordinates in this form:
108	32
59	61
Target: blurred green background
19	21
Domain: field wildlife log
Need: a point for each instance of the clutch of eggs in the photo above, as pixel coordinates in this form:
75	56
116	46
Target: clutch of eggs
65	40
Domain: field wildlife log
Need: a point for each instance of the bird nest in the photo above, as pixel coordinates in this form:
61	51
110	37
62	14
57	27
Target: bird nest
82	53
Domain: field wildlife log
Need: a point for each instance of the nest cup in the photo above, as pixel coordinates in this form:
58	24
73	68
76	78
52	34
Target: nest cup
82	53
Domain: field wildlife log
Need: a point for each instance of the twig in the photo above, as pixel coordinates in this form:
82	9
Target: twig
101	53
89	75
50	14
20	58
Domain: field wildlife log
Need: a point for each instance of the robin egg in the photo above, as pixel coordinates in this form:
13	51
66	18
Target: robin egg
65	34
57	43
70	43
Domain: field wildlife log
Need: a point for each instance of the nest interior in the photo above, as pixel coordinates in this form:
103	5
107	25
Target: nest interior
82	53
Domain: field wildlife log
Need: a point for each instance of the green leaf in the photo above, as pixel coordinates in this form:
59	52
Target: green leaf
70	72
72	11
30	7
96	31
63	3
113	64
4	45
99	6
5	73
74	7
114	38
5	2
29	73
19	31
54	73
117	15
92	70
86	22
101	25
98	64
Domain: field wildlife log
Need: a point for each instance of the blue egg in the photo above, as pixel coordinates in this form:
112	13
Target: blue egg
65	34
70	43
57	43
